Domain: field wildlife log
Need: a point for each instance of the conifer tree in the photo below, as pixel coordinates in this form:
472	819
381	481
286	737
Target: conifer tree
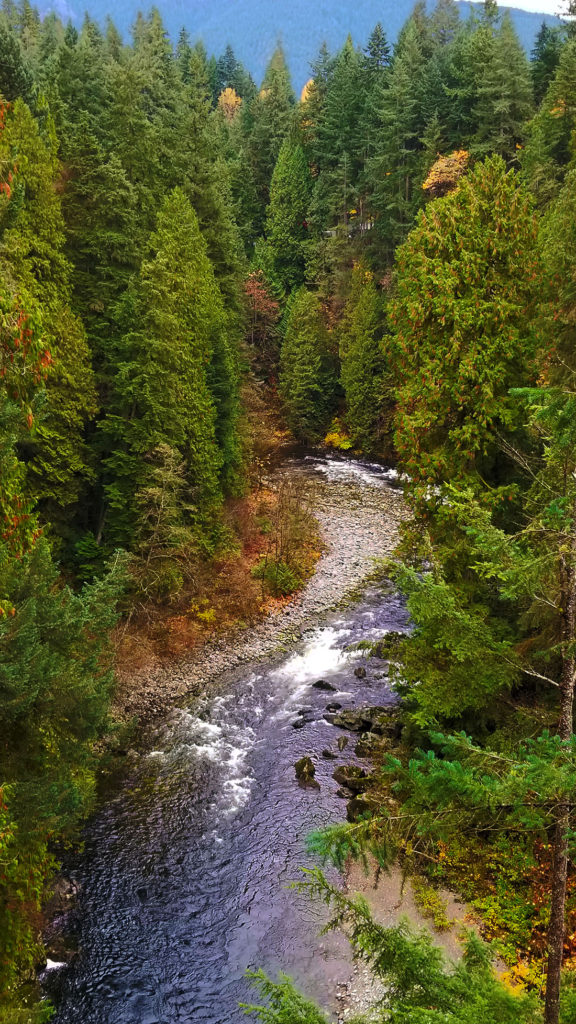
465	287
549	147
173	386
307	369
32	255
268	121
505	101
396	167
286	224
544	59
363	365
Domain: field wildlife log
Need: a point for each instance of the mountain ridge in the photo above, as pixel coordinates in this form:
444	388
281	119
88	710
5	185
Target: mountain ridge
253	27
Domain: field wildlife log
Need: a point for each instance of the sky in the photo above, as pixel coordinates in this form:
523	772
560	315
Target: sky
542	6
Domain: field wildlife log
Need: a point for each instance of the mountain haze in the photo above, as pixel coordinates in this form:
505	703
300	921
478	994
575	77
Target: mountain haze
253	27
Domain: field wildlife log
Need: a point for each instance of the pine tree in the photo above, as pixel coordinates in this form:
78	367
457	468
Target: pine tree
32	255
307	371
173	384
505	101
286	224
395	170
549	147
544	59
268	119
368	407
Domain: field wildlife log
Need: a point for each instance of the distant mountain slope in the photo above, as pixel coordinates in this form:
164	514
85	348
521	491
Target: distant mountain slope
252	27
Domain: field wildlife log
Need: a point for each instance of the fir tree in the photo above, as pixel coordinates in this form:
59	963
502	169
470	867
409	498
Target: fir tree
286	224
363	365
505	102
307	372
173	378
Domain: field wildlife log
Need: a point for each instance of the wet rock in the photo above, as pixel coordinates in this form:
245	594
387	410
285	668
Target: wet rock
335	706
322	684
305	711
305	772
353	777
342	742
299	723
344	794
329	755
358	807
372	745
360	672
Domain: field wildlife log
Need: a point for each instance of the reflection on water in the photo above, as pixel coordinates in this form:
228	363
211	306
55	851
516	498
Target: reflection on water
185	873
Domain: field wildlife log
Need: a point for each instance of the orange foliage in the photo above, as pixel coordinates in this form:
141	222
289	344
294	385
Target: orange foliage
445	172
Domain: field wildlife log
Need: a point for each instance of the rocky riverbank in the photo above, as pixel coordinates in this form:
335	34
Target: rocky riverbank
358	525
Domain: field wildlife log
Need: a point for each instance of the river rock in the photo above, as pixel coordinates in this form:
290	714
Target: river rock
299	723
360	672
305	772
358	808
353	777
322	684
370	745
334	706
342	742
329	755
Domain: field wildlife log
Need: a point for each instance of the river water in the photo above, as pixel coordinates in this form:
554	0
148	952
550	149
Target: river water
185	871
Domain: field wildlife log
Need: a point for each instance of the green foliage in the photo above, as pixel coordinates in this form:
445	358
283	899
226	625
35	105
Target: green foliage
307	372
175	384
464	295
421	988
286	226
279	578
284	1004
363	367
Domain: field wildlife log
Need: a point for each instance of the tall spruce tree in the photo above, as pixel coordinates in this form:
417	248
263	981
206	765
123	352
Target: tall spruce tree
363	367
308	383
173	383
286	222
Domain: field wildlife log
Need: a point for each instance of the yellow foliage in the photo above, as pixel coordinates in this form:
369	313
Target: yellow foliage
229	102
307	91
445	172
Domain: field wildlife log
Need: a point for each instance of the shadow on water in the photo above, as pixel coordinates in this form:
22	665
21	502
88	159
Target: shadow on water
185	872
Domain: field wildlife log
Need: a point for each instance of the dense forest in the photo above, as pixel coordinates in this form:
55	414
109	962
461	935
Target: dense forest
392	259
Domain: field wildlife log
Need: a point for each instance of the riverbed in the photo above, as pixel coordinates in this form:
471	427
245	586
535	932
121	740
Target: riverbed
184	878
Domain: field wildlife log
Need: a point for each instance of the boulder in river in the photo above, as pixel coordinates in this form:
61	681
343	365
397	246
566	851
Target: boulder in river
342	742
353	777
334	706
329	755
299	723
360	672
322	684
305	772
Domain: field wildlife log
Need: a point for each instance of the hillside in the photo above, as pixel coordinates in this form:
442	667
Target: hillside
253	27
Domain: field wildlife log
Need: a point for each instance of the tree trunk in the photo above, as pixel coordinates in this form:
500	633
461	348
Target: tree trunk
565	727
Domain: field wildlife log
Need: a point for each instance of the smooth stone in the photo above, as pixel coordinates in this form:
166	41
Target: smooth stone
323	685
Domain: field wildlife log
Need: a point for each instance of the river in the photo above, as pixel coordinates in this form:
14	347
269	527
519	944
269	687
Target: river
185	871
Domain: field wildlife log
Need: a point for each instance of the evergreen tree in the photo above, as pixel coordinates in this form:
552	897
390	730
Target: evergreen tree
307	371
549	147
395	170
286	225
32	256
464	291
268	119
174	384
545	57
505	102
363	365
